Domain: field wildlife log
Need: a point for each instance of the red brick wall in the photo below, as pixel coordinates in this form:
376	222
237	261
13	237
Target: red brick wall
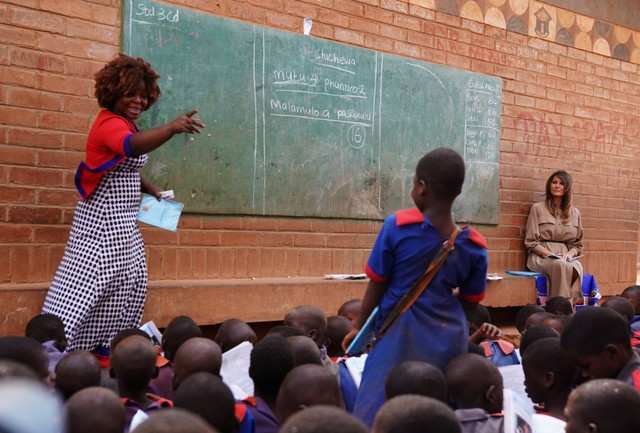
562	108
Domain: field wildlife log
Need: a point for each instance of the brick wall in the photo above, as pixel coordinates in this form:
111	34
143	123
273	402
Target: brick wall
562	108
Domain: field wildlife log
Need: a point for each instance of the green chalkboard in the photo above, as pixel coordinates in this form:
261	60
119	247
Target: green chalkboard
302	126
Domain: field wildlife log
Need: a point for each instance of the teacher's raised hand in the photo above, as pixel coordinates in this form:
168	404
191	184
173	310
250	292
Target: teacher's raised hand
187	123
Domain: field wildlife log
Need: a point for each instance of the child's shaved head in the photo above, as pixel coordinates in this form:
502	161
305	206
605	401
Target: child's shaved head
323	419
95	410
603	406
415	414
179	330
474	382
76	371
351	310
337	328
13	370
196	354
47	327
307	385
133	363
310	320
271	361
524	313
558	305
174	421
632	293
305	350
26	351
621	306
442	170
416	377
233	332
549	371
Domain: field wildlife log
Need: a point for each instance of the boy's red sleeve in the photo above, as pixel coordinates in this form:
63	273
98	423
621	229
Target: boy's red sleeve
115	133
381	259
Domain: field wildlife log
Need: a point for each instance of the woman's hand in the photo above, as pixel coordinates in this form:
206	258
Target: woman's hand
151	189
187	123
346	341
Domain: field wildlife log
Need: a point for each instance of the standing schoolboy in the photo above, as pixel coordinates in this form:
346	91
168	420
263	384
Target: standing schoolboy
434	329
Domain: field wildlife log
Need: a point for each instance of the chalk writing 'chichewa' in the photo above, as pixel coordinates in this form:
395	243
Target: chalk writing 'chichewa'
335	59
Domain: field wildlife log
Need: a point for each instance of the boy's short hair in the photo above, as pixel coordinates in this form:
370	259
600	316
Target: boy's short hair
179	330
524	313
307	385
547	355
443	170
621	306
174	421
14	370
323	419
476	314
271	361
416	377
415	414
337	328
133	362
536	319
77	371
195	355
128	332
612	406
47	327
632	293
207	396
95	410
284	331
474	382
557	322
309	319
349	308
535	333
232	332
305	350
591	329
558	305
26	351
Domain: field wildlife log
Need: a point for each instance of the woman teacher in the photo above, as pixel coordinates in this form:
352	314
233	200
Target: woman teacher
101	284
554	239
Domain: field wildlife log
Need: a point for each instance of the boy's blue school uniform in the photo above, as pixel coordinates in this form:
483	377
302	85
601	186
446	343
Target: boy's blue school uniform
434	329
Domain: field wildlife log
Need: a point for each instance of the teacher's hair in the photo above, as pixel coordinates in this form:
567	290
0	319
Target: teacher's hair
565	204
124	76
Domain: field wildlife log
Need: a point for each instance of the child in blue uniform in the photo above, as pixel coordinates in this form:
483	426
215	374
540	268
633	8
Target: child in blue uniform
434	329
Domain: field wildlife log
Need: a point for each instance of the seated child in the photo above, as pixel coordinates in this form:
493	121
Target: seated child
179	330
416	377
77	371
415	414
337	328
475	391
284	331
603	406
195	355
481	332
535	333
632	293
311	321
536	319
524	313
351	310
206	395
433	329
621	306
95	410
598	339
323	419
305	386
305	350
549	376
558	305
28	352
271	361
174	421
557	322
233	332
48	330
133	365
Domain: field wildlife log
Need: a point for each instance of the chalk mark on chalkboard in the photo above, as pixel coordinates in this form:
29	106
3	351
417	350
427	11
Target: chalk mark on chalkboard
322	119
294	82
375	85
380	135
130	25
322	93
264	133
255	122
336	67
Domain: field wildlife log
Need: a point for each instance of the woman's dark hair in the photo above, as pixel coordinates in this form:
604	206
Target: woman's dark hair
565	204
123	76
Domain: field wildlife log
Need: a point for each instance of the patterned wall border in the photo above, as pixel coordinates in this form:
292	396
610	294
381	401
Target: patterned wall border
544	21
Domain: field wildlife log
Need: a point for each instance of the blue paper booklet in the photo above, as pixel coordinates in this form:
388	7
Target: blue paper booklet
365	335
160	213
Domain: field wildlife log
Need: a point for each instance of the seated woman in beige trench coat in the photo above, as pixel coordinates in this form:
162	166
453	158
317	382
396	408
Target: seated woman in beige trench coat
554	239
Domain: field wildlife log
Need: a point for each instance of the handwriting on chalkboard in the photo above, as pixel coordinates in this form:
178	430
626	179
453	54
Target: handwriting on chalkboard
159	13
481	127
